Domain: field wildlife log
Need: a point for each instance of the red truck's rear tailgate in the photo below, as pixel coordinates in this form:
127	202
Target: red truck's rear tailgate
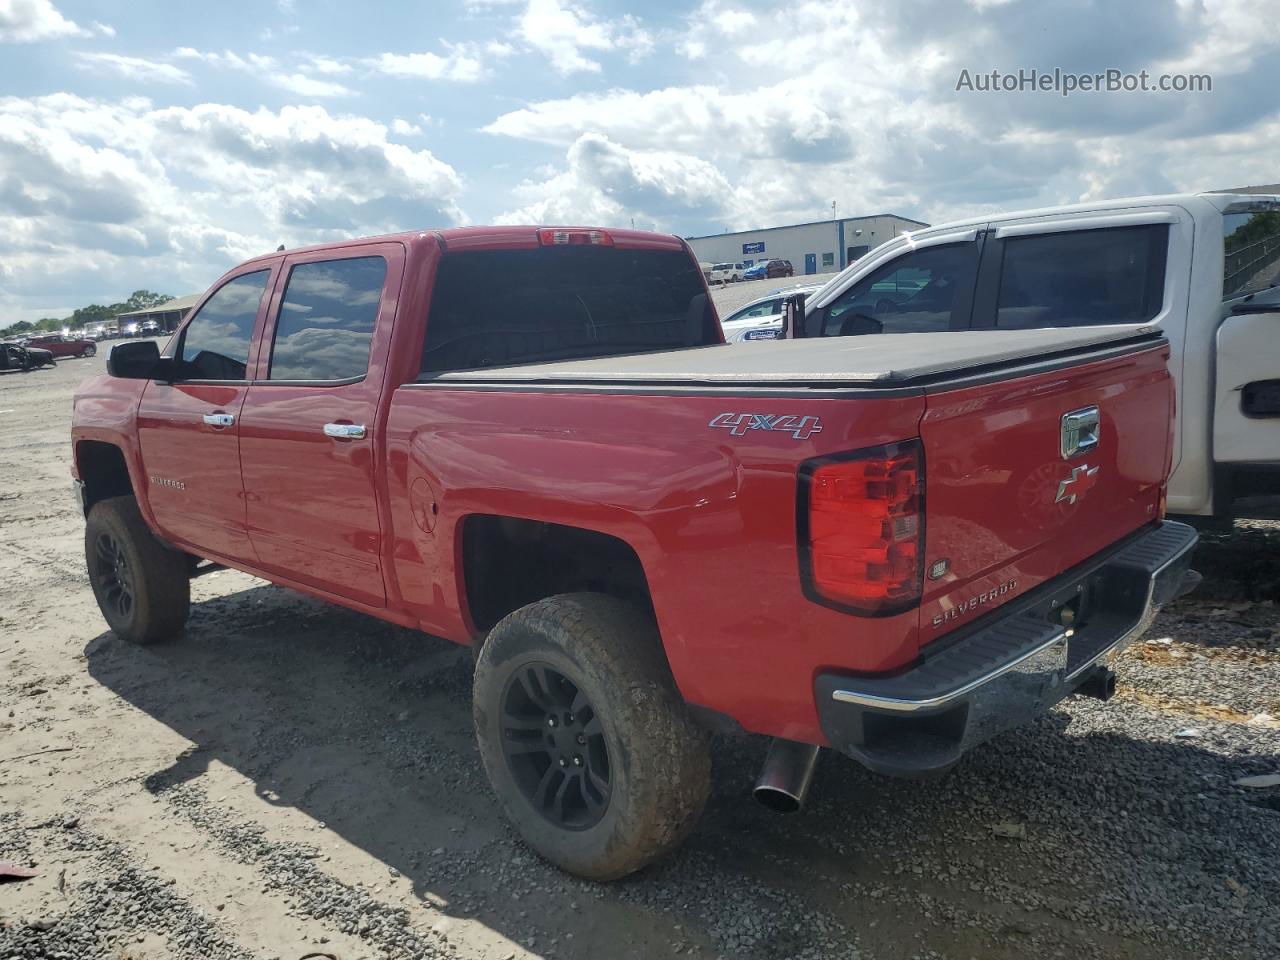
1010	502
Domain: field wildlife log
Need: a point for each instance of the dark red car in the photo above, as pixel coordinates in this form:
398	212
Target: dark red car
61	346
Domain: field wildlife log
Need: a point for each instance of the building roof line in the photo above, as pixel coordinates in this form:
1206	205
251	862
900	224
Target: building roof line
808	223
169	306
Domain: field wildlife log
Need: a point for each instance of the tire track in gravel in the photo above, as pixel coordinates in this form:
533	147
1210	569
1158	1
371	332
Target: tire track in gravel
117	906
291	869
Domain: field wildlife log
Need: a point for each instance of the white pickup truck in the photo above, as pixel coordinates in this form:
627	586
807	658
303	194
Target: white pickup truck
1204	267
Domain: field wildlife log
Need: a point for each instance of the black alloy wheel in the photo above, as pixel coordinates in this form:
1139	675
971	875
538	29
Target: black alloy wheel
554	746
112	575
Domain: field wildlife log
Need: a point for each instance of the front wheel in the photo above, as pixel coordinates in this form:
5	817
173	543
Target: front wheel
141	585
584	736
89	351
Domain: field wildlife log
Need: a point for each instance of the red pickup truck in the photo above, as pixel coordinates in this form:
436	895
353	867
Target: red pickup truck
535	442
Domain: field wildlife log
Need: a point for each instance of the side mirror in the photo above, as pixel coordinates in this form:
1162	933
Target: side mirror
793	317
135	360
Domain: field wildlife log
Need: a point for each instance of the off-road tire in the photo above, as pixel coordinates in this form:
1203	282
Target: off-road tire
658	761
124	558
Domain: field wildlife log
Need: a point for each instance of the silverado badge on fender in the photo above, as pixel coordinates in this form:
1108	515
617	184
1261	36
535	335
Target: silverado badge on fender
739	423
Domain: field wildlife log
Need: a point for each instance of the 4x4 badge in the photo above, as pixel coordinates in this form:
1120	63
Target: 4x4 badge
739	423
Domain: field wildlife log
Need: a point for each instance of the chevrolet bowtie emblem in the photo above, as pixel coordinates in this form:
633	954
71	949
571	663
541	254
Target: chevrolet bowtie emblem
1080	482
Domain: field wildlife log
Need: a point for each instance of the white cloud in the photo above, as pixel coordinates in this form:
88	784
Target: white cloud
96	195
105	29
459	63
306	86
249	63
803	104
135	68
328	65
404	128
299	82
566	33
25	21
607	184
713	25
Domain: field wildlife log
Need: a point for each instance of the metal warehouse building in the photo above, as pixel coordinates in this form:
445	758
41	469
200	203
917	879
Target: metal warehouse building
824	246
168	314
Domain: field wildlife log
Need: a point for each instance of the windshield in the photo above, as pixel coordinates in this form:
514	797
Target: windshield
1251	251
504	307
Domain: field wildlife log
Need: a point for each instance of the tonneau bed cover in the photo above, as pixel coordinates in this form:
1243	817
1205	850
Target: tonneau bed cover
888	360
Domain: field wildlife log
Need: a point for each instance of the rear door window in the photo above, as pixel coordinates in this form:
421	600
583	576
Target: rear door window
1251	252
1082	277
215	344
326	320
925	291
505	307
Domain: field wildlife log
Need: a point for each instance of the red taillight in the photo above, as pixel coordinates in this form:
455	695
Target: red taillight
574	237
862	529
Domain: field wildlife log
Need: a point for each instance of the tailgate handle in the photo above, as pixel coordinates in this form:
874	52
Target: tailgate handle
1079	431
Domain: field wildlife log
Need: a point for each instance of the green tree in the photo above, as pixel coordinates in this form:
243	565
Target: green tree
94	313
141	299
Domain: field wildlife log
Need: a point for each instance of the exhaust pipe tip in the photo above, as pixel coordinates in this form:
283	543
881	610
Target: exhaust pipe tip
779	801
786	775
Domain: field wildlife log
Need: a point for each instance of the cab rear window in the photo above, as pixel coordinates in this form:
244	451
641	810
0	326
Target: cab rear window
506	307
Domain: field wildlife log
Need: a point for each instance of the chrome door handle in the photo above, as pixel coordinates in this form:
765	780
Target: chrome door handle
219	419
344	431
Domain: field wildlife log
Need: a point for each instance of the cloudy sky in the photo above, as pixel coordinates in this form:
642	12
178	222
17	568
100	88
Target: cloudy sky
155	144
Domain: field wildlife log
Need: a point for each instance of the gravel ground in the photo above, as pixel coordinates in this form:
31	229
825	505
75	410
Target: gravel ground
295	780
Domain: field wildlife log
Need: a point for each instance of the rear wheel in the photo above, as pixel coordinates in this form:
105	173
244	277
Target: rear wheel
585	738
141	585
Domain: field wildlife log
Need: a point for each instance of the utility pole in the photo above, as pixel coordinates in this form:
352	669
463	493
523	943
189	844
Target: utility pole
833	209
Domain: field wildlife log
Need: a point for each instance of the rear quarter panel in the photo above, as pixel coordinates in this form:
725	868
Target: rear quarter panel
712	517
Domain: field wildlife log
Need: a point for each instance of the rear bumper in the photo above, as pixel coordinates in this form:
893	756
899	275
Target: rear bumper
1010	666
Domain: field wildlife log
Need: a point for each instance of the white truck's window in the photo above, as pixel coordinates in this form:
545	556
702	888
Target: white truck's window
766	309
326	319
215	345
504	307
919	292
1083	278
1251	249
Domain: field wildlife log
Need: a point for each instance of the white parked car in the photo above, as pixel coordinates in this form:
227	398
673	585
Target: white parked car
1204	267
726	272
761	319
